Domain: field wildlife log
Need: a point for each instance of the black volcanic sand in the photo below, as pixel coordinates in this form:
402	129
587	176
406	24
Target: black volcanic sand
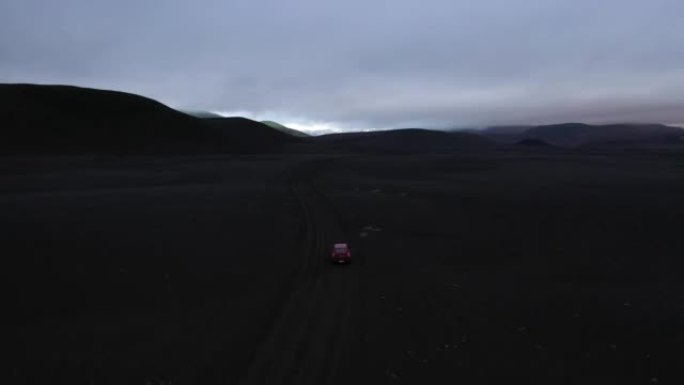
519	265
144	269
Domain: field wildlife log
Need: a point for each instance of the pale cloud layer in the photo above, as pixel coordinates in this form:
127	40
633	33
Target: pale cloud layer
364	64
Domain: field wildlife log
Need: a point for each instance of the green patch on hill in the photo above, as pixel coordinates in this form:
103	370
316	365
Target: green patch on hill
284	129
202	114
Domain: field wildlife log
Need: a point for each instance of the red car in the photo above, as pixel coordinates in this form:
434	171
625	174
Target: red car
340	253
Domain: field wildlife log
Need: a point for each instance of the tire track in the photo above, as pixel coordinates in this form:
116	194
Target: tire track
310	342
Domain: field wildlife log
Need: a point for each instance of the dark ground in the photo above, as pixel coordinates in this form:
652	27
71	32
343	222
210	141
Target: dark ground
497	266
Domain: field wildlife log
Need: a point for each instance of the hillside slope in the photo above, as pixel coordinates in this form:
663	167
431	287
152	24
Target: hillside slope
64	118
249	133
285	129
39	118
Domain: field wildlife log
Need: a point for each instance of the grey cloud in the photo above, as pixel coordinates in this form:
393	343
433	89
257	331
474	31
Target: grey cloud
361	64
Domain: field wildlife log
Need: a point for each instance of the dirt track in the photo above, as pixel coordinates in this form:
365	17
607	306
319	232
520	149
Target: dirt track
311	340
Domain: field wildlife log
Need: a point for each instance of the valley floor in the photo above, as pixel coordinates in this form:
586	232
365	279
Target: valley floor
515	265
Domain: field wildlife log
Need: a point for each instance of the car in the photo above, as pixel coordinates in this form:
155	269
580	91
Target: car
341	253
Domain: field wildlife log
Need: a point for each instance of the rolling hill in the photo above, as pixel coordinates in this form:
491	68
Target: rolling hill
249	133
576	134
41	118
580	134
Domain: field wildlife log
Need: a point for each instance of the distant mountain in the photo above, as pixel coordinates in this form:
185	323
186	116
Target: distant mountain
406	140
579	134
284	129
39	118
574	134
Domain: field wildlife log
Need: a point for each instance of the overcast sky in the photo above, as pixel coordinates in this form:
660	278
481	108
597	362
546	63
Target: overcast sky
360	64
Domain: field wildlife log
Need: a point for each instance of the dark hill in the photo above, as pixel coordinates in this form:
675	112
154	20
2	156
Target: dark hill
55	119
406	140
64	118
249	133
574	134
